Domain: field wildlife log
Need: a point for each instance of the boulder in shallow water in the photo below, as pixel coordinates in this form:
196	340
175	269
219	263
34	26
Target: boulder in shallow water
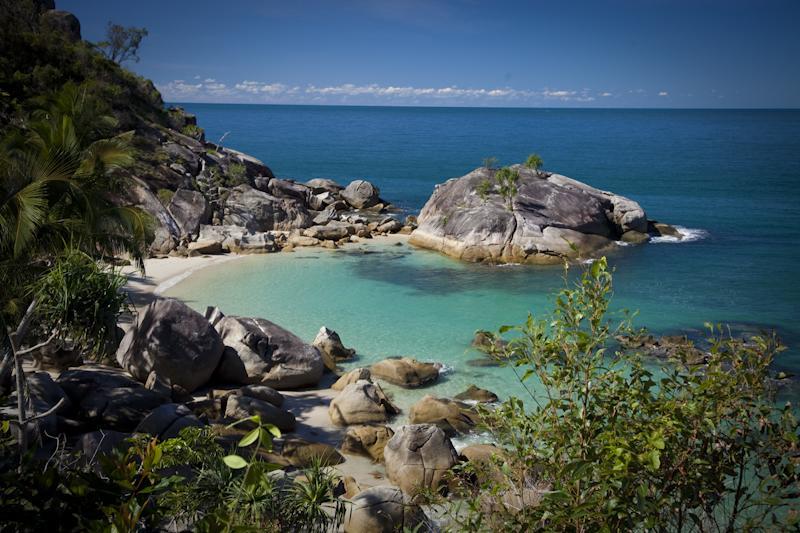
259	351
361	402
551	218
173	340
451	416
351	377
405	371
329	343
418	456
477	394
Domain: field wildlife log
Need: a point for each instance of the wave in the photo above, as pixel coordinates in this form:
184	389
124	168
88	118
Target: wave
689	235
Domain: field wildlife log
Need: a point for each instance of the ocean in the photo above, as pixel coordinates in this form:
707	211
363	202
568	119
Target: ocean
730	178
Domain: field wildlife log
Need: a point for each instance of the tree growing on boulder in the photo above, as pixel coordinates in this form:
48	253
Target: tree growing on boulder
507	179
534	162
483	189
122	44
490	163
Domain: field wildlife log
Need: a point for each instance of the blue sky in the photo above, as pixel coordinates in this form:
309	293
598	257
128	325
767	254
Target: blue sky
615	53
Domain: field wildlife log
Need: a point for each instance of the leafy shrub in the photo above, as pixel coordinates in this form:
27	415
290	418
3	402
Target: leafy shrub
607	444
236	175
483	189
507	179
194	131
534	162
80	300
490	163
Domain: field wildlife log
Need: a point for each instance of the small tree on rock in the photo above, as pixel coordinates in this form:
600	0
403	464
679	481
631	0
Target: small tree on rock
122	43
534	162
507	179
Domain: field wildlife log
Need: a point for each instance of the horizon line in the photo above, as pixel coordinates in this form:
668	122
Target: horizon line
423	106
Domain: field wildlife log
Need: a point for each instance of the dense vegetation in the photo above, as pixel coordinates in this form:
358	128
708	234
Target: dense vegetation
608	444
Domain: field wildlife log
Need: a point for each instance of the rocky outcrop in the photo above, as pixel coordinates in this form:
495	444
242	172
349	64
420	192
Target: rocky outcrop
552	217
361	402
106	397
239	240
361	194
189	209
258	211
452	417
173	340
367	440
418	456
258	351
62	22
384	509
405	371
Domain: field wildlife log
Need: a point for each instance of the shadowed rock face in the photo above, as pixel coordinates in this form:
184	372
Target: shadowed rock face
548	214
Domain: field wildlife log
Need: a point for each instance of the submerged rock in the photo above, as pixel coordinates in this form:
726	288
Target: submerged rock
552	217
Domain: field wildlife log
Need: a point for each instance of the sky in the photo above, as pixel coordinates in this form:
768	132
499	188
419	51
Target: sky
566	53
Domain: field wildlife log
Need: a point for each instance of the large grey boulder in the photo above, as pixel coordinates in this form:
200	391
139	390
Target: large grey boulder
239	407
106	397
259	211
322	185
549	215
166	421
289	189
452	416
384	509
361	194
189	209
418	456
259	351
367	440
326	233
361	402
173	340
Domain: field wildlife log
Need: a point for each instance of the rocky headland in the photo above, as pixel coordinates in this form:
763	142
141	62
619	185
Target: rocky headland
547	219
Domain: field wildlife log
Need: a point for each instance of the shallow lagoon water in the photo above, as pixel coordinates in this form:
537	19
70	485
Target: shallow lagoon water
731	176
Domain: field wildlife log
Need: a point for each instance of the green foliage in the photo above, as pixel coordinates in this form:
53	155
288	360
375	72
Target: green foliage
483	189
490	163
236	175
165	196
610	445
507	179
79	300
193	130
122	44
534	162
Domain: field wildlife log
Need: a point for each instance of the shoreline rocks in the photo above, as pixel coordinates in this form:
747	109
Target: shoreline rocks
551	218
405	372
418	456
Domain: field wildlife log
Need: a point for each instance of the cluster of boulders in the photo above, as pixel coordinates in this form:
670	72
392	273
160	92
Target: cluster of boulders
210	199
549	218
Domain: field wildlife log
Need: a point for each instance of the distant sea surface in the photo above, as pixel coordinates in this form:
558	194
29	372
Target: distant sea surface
730	177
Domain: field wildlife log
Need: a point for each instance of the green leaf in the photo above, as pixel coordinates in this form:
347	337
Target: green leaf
234	461
250	438
274	430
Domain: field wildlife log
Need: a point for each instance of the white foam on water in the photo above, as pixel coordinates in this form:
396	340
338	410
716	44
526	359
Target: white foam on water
689	235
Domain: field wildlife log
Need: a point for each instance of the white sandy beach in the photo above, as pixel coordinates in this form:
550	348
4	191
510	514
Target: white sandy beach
310	407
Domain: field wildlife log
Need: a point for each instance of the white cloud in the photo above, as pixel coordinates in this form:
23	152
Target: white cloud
209	89
663	93
606	94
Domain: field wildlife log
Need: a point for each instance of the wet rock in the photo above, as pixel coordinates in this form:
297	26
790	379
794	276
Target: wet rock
330	345
477	394
405	371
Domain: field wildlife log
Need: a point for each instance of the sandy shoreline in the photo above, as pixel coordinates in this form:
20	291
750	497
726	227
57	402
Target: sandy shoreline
309	406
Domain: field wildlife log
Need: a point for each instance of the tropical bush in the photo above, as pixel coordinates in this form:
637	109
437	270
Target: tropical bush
534	162
605	443
507	179
483	189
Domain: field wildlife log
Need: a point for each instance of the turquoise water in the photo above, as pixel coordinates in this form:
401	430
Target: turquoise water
731	175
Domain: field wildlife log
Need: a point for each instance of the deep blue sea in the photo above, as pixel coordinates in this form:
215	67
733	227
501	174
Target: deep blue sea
733	176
